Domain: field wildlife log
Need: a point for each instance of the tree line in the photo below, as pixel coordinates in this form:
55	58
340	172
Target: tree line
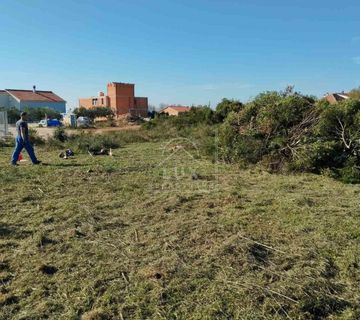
34	114
281	131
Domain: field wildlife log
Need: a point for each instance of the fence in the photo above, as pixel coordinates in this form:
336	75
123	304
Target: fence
4	127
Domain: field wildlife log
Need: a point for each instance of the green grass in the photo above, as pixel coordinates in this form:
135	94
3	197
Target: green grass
113	238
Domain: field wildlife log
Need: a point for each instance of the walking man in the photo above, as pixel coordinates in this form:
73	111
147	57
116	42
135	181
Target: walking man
22	141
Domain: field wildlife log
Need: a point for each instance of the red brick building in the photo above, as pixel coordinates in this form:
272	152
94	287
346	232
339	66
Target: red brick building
120	98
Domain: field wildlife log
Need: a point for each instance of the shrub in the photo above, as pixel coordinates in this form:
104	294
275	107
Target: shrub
236	146
273	126
96	112
350	173
12	113
93	142
34	114
225	107
110	122
355	93
316	156
7	142
35	138
52	143
278	114
196	115
60	134
205	137
277	129
341	122
37	114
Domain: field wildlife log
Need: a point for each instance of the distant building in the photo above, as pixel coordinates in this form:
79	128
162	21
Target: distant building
174	110
334	98
69	119
120	98
22	99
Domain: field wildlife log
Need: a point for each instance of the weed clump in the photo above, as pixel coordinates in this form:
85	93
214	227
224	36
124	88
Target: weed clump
48	269
96	314
258	253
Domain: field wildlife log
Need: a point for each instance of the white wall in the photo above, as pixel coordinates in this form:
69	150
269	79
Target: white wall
4	100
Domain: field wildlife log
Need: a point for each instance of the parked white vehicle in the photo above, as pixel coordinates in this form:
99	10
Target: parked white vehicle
43	123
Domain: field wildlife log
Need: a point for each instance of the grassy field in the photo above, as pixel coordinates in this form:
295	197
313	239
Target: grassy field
153	233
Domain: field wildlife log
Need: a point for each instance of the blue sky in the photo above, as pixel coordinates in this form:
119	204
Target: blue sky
180	52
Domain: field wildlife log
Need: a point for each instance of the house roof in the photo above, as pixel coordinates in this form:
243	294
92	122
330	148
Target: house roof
334	98
342	95
177	108
39	96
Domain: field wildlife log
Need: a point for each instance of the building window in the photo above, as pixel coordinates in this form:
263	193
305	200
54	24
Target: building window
102	101
94	102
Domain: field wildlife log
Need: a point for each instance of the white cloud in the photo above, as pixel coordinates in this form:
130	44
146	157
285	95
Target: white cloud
357	59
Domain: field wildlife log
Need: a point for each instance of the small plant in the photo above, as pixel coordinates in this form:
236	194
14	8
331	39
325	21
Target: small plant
35	138
60	134
7	142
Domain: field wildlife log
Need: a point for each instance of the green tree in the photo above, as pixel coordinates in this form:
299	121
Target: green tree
273	125
341	122
37	114
196	115
93	113
225	107
12	113
34	114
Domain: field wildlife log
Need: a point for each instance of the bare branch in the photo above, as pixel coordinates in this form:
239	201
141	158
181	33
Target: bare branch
342	133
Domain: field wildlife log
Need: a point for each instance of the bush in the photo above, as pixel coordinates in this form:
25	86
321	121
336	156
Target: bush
288	129
34	137
225	107
316	156
205	137
93	113
196	116
110	122
37	114
12	113
355	93
341	122
277	114
264	127
60	134
350	173
7	142
277	129
236	145
93	142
